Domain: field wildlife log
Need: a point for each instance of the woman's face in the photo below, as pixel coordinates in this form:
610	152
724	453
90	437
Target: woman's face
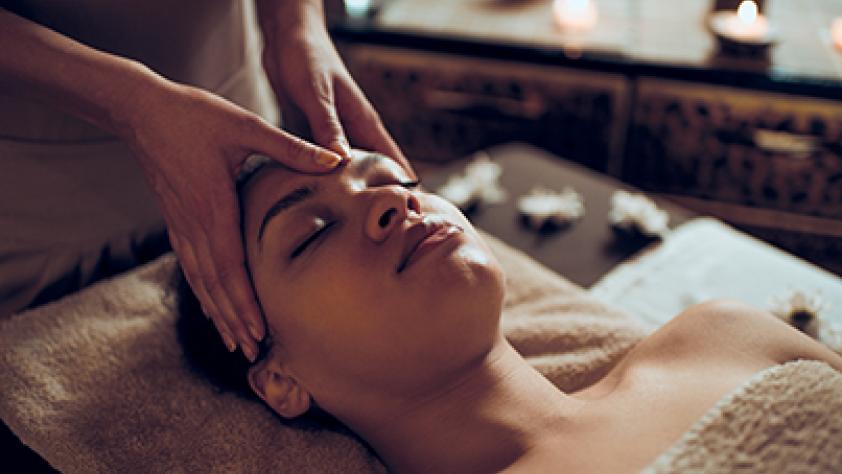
365	282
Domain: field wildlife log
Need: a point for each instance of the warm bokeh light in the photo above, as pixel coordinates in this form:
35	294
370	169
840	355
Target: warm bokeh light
836	32
746	25
575	14
747	12
357	7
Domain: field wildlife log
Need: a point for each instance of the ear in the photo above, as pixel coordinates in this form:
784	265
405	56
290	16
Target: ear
278	389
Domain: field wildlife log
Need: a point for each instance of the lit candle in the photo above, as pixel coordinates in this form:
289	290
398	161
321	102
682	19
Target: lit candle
357	8
747	24
836	32
576	15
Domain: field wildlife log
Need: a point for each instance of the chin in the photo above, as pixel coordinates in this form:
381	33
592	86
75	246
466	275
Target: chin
470	287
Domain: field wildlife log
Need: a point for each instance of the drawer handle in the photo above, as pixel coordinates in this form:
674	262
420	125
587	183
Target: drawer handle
530	108
785	143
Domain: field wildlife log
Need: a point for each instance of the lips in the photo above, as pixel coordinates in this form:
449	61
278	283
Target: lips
423	235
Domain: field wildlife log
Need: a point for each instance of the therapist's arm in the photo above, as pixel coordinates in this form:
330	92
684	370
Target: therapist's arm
40	64
306	72
189	142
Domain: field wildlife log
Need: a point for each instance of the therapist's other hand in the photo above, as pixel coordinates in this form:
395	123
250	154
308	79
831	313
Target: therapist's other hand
190	144
306	71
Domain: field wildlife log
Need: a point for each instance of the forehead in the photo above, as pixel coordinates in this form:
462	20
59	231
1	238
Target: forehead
272	175
274	179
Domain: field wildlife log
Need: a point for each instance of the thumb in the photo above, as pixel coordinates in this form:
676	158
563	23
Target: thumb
290	150
326	127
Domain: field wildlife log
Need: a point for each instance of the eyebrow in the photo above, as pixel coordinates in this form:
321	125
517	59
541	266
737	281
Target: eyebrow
305	192
296	196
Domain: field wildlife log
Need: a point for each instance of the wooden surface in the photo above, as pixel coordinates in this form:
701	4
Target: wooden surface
660	32
582	252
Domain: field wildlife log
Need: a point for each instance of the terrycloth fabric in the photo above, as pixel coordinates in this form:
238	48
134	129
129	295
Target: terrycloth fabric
787	418
96	382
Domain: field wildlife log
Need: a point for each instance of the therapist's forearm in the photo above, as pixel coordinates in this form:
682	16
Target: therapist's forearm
102	88
290	15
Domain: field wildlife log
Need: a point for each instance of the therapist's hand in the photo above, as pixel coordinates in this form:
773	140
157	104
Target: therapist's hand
190	144
305	70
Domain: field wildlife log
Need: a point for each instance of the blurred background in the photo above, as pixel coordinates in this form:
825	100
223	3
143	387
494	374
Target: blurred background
728	108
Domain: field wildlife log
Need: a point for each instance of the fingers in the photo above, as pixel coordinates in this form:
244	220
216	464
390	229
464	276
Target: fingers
290	150
221	256
363	123
215	271
190	267
324	120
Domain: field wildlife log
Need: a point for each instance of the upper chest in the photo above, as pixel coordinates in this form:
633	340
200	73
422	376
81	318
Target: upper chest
650	400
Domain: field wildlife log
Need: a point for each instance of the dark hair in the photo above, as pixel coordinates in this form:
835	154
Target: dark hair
204	350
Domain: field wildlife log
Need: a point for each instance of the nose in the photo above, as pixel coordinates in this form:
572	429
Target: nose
390	206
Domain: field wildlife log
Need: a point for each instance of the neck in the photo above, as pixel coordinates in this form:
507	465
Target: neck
490	415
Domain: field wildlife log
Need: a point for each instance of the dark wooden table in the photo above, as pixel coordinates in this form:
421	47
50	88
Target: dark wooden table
582	252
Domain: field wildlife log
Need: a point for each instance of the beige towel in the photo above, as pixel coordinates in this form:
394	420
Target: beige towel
787	418
96	382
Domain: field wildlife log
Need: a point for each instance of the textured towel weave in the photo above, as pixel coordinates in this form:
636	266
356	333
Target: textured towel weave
787	418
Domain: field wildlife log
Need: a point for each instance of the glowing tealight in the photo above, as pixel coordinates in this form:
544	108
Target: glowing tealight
746	25
747	12
575	14
357	8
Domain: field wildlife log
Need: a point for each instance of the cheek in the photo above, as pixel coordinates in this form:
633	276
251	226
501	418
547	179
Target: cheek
334	313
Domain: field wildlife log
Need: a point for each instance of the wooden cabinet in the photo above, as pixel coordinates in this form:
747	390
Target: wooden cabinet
768	163
440	107
764	150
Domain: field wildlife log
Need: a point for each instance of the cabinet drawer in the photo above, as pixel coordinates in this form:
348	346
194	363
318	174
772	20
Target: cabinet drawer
441	106
754	149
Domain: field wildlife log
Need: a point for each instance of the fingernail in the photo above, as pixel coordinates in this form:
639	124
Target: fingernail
255	332
229	343
342	147
249	353
327	158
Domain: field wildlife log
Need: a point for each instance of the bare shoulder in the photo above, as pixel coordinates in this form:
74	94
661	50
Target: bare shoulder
725	328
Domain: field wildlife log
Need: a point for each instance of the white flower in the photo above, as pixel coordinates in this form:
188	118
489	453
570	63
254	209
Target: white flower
543	205
800	310
479	183
458	190
637	213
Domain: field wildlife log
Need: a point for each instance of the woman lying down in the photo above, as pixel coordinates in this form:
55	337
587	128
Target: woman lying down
383	306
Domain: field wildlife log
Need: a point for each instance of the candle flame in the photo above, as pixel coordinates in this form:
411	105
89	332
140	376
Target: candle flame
577	6
747	12
575	15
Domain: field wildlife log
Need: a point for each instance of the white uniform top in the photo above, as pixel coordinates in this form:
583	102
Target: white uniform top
213	44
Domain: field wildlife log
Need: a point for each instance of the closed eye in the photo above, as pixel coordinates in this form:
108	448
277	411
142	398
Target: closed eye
315	236
310	239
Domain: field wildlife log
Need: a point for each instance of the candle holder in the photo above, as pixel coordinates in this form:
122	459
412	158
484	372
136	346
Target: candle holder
742	32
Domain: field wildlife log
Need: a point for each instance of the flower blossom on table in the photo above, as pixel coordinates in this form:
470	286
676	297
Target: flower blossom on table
543	206
480	183
637	213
